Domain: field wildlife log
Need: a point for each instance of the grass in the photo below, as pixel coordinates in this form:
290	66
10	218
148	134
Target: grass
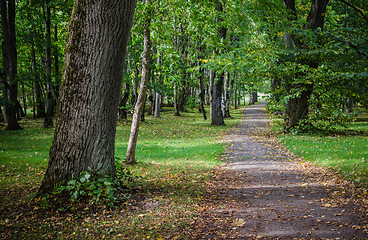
175	155
345	151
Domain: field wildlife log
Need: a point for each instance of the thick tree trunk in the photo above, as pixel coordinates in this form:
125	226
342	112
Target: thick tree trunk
49	96
10	63
139	106
91	87
217	117
183	96
297	107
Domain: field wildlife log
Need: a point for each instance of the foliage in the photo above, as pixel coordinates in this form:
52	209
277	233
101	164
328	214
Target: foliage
108	190
175	159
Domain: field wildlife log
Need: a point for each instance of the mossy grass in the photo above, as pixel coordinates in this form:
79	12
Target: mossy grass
175	155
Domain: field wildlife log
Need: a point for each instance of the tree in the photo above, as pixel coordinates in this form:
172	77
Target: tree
49	92
10	64
217	117
139	106
297	107
90	92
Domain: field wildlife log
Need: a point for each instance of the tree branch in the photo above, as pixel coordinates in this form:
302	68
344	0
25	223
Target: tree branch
355	8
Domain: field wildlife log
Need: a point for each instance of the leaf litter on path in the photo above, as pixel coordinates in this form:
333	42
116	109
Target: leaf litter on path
266	192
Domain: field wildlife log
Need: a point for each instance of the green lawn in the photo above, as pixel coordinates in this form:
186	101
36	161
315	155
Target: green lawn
175	157
345	152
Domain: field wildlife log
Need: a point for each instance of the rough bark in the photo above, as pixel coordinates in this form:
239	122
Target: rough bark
217	117
10	63
91	87
141	100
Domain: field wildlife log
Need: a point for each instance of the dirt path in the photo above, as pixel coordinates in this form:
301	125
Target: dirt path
265	192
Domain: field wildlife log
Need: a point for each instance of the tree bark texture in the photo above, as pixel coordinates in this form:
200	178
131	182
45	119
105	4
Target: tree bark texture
10	63
139	106
91	88
217	117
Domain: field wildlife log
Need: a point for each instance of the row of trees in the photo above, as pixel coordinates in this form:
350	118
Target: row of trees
310	55
184	35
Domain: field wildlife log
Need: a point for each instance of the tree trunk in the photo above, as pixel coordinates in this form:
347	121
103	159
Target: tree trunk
49	96
40	105
56	65
176	105
201	93
253	97
124	100
10	63
211	92
158	95
217	118
139	106
157	105
91	87
297	107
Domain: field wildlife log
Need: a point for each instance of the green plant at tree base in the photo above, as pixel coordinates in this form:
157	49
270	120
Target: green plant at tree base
96	189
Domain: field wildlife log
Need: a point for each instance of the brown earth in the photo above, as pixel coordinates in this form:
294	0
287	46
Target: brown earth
266	192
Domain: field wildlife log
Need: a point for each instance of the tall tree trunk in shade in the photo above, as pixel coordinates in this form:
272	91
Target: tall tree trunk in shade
49	92
211	92
176	98
297	107
201	93
10	62
84	136
139	106
217	117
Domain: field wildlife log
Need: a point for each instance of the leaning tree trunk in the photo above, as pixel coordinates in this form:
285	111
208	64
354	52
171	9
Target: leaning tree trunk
91	87
139	106
10	63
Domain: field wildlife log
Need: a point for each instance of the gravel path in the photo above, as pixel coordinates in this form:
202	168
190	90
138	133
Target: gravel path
268	193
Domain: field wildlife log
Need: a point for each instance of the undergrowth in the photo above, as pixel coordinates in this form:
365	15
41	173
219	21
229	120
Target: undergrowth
175	155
